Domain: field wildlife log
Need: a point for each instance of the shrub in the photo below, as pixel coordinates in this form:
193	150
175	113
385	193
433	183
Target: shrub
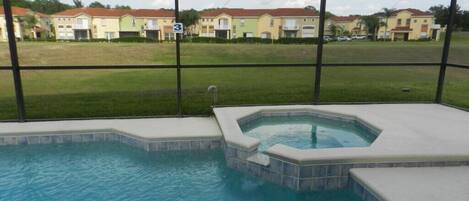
133	40
297	41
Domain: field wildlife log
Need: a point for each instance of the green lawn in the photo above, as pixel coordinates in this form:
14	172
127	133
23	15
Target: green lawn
105	93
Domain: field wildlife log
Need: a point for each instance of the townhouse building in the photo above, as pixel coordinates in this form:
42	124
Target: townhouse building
102	23
410	24
23	30
351	25
232	23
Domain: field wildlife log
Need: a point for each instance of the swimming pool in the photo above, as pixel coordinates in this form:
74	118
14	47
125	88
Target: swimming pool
308	132
112	171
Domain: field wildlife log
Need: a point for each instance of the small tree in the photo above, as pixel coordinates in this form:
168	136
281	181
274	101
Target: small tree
189	18
372	25
27	22
387	13
78	3
336	30
96	4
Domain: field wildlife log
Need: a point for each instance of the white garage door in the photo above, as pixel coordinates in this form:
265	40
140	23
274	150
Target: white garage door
308	31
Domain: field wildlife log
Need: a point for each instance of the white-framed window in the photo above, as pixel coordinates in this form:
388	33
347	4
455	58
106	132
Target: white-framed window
242	22
248	34
109	35
169	36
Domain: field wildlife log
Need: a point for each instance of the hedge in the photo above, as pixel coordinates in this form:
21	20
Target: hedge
252	40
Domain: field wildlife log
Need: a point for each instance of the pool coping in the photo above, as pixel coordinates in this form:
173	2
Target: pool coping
147	134
228	119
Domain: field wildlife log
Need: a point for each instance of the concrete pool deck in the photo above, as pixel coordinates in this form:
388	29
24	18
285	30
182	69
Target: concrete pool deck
410	132
412	184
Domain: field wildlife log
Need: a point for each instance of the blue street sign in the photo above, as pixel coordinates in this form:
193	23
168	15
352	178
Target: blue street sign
178	28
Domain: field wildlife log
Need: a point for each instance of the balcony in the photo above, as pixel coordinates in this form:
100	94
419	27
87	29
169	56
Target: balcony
152	27
81	26
222	27
290	27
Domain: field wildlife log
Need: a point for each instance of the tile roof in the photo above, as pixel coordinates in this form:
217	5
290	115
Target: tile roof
21	11
92	12
152	13
240	12
344	18
117	12
415	12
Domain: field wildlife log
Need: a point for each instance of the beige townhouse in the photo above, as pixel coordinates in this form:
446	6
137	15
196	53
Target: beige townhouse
410	24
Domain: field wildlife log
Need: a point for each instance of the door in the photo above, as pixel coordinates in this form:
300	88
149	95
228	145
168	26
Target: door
221	34
152	34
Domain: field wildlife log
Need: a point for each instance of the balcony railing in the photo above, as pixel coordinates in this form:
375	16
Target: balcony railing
222	27
81	26
290	27
152	27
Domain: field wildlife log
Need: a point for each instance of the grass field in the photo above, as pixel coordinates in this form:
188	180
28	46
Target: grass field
105	93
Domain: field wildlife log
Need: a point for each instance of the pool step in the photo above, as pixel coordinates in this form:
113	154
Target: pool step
260	159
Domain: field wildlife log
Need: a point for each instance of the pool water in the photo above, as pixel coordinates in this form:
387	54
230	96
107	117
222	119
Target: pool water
307	132
111	171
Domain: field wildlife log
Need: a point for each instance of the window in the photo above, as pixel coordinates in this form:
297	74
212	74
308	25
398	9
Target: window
109	35
242	22
415	21
399	22
103	22
211	29
272	23
266	35
425	21
61	26
204	29
234	28
407	22
69	26
169	36
248	35
305	19
134	23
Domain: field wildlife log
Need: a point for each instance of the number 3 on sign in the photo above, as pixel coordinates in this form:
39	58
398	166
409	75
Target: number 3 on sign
178	28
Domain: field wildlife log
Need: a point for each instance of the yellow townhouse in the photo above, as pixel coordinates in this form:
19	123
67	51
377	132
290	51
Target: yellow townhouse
87	23
410	24
23	30
232	23
348	25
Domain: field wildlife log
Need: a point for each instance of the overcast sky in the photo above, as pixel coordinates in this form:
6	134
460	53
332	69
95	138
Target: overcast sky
339	7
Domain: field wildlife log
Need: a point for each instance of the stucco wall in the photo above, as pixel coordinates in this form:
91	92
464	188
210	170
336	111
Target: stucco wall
265	25
126	24
103	25
250	26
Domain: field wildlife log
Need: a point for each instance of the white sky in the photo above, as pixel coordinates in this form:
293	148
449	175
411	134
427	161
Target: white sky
338	7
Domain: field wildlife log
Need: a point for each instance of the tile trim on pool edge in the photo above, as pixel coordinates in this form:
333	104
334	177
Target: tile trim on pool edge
112	135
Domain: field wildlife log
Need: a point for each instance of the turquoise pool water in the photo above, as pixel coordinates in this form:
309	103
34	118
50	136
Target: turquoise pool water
110	171
307	132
